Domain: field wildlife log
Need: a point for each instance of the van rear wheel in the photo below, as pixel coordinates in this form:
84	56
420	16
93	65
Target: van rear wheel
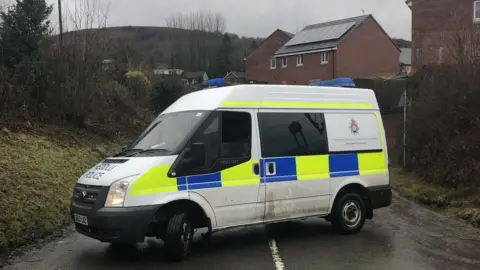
349	214
178	237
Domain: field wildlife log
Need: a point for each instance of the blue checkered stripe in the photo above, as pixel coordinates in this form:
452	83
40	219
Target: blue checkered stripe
340	165
196	182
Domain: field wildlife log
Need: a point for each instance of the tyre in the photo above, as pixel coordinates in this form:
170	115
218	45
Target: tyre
122	247
178	237
116	245
348	215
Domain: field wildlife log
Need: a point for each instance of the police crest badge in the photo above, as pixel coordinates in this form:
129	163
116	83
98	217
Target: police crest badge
354	128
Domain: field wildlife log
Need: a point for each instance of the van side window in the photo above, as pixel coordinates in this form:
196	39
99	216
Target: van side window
228	141
211	138
293	134
236	135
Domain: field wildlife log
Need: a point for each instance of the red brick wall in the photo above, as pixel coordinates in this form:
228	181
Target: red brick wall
312	69
368	50
434	23
257	64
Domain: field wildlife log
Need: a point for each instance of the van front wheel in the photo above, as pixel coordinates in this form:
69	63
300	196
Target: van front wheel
348	215
178	237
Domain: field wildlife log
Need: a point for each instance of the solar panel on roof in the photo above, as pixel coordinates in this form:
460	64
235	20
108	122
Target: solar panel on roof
321	34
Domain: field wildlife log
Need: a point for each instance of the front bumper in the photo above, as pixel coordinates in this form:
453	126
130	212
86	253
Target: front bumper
380	196
114	225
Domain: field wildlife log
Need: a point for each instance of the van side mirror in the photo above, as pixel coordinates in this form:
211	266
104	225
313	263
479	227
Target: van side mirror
198	154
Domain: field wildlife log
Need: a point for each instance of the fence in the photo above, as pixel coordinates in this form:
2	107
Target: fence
390	97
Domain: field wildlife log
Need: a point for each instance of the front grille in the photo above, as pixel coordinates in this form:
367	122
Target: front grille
110	233
88	194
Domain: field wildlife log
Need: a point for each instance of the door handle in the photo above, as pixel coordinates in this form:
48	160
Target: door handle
256	169
271	168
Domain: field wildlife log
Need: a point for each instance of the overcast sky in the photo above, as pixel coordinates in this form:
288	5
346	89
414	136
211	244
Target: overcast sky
257	18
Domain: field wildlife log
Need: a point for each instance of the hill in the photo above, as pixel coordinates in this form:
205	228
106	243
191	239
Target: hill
402	43
190	50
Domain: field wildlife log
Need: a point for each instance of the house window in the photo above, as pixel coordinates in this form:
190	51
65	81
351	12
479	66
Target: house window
273	63
284	62
440	55
476	11
324	58
299	60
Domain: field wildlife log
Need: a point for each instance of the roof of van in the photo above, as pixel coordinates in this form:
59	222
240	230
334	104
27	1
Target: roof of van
276	96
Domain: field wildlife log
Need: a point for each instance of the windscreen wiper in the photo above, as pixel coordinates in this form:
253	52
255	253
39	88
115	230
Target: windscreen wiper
127	152
155	150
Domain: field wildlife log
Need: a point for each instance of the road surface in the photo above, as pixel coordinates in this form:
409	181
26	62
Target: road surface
404	236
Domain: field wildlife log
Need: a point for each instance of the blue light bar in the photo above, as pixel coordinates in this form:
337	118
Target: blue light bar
217	82
340	82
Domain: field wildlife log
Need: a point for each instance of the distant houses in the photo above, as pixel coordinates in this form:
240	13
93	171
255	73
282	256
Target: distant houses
164	69
406	60
353	47
195	77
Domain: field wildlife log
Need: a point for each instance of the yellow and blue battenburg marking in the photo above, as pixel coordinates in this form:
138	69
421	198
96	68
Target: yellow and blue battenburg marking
304	168
324	167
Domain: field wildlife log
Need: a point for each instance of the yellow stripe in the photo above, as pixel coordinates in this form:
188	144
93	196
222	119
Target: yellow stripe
154	181
380	131
297	105
312	167
241	175
242	182
153	191
305	177
373	172
371	163
316	105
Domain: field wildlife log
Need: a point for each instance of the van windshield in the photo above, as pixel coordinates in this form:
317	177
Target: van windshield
166	134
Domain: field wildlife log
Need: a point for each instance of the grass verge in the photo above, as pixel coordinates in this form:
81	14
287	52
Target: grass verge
459	203
38	170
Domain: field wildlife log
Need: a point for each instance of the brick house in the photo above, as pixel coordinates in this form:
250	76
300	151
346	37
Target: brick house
257	62
435	24
353	47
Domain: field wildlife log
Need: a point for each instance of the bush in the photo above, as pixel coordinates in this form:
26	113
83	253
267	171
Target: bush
165	91
139	86
442	129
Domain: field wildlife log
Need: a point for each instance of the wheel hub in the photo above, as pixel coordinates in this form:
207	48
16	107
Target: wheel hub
351	213
186	234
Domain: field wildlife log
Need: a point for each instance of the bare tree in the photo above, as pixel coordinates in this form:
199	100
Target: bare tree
220	23
81	59
3	6
206	21
460	44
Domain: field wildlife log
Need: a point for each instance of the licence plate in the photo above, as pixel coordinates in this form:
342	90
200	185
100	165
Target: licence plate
80	219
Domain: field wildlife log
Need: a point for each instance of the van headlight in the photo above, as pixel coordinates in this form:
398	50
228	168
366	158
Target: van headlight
117	192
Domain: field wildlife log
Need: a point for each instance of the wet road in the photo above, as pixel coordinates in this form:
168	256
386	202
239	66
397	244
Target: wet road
404	236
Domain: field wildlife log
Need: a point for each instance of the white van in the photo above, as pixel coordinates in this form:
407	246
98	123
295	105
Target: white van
241	155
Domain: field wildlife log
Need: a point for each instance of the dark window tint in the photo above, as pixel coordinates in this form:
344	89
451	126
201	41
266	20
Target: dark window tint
228	141
211	138
236	135
293	134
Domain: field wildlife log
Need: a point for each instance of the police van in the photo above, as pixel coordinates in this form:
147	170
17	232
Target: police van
241	155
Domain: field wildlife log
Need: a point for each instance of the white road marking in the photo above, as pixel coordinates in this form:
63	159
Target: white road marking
277	260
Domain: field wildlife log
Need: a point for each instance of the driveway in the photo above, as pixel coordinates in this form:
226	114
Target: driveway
404	236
